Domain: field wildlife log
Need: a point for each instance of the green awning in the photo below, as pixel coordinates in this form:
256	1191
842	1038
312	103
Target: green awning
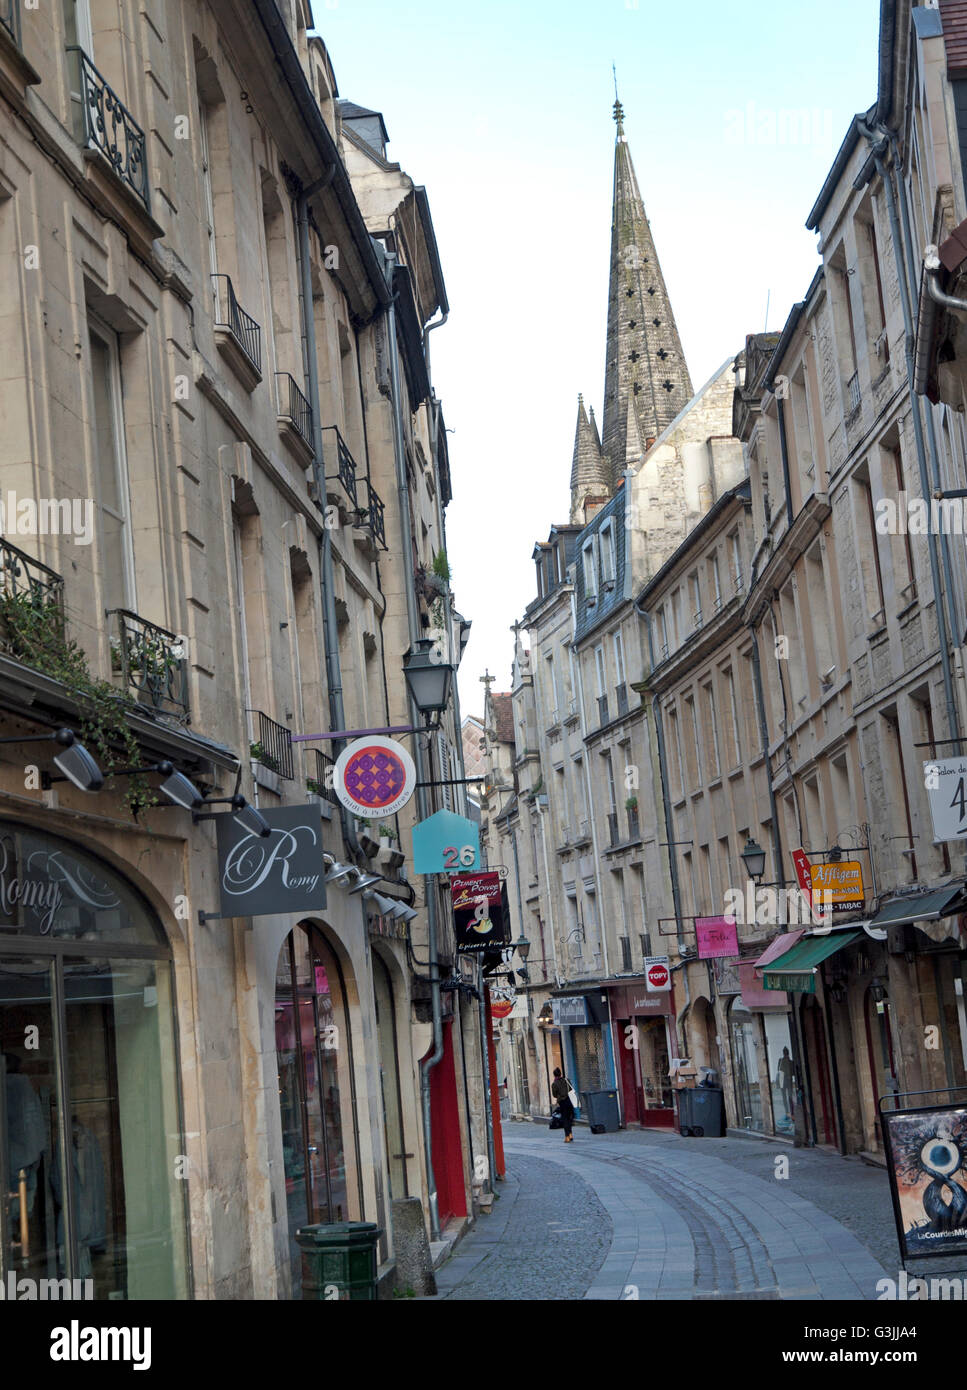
925	907
796	970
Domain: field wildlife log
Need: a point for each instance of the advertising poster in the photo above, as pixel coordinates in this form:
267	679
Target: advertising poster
926	1153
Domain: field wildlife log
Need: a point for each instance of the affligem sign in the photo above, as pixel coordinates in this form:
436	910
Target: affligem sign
658	977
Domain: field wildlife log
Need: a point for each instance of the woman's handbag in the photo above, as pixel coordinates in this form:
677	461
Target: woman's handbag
572	1095
555	1121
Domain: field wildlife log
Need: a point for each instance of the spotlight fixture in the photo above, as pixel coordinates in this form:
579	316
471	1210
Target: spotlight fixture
178	789
339	871
74	761
385	905
244	814
364	881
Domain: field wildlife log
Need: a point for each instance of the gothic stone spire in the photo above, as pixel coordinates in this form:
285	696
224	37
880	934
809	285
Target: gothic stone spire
590	474
645	373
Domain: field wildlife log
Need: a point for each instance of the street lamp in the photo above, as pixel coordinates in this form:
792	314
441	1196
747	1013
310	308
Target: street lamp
523	947
428	681
754	859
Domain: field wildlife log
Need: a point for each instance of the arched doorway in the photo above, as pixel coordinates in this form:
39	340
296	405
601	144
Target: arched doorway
90	1130
316	1091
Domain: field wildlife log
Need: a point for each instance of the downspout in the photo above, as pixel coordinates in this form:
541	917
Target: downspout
333	671
910	262
877	146
399	450
683	960
589	793
784	455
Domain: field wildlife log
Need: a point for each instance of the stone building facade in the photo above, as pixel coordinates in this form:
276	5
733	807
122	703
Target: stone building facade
216	303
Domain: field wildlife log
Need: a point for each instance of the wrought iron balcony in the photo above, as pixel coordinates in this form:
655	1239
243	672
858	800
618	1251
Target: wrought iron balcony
321	783
151	661
294	407
231	318
374	516
110	127
853	392
273	746
345	466
31	603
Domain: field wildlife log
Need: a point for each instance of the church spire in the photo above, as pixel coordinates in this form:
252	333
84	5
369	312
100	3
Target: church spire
646	376
590	474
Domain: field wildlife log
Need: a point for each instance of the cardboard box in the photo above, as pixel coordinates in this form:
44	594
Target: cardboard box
685	1076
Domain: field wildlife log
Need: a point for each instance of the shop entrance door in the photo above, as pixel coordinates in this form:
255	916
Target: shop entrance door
814	1034
658	1109
630	1072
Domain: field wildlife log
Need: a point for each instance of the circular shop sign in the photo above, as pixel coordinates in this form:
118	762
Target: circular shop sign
374	776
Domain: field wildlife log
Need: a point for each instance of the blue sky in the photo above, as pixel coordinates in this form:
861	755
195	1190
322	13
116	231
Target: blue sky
733	114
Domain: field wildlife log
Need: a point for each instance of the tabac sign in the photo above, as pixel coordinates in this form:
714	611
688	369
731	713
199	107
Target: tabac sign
839	886
279	872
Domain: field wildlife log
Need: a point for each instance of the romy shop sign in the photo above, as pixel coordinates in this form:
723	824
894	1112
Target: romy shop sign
279	872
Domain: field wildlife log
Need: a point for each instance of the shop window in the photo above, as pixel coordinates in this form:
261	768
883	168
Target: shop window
87	1065
745	1065
314	1054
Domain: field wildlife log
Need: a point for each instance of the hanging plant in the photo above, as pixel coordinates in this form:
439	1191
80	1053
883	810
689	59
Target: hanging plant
441	566
35	634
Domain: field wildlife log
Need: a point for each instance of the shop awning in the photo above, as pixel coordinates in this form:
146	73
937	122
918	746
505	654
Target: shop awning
796	970
777	948
927	907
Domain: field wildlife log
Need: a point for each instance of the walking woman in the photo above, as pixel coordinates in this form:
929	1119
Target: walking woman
560	1090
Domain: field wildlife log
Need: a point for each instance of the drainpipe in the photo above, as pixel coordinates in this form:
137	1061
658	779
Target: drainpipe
333	670
399	450
784	455
666	803
877	148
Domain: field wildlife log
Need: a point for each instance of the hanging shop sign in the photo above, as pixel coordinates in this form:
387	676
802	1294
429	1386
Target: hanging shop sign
726	975
717	937
446	844
926	1152
503	996
479	920
946	782
571	1011
280	872
658	977
374	776
839	886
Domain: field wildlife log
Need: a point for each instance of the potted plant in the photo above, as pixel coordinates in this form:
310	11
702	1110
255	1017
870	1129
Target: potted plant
631	804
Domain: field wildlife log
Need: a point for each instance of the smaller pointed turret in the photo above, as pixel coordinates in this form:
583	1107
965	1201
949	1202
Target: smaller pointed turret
590	473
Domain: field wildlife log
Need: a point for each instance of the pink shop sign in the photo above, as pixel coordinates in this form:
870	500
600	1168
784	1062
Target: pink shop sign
717	937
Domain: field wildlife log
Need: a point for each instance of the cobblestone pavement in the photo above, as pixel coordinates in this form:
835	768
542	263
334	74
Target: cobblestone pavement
546	1238
655	1216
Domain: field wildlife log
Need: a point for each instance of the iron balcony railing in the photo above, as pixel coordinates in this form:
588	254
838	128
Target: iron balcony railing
375	518
31	603
345	466
294	407
273	746
621	694
613	837
151	661
229	314
322	782
602	709
10	19
110	127
853	391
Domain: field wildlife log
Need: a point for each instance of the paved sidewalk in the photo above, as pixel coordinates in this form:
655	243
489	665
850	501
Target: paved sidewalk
684	1224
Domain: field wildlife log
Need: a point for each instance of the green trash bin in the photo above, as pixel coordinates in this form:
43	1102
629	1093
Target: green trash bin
339	1257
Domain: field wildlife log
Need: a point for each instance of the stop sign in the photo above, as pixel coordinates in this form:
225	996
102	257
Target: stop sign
657	974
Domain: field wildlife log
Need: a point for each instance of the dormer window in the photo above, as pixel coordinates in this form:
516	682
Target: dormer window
589	570
608	566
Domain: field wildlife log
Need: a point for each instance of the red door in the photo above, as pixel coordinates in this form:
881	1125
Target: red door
630	1078
446	1146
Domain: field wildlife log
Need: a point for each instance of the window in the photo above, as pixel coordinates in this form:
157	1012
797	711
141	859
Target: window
820	616
715	583
608	568
695	596
92	979
735	561
693	755
619	659
589	569
711	730
731	715
675	743
115	549
551	683
625	942
867	546
662	634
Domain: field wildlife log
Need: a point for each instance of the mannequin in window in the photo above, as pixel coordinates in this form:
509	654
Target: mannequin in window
26	1131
